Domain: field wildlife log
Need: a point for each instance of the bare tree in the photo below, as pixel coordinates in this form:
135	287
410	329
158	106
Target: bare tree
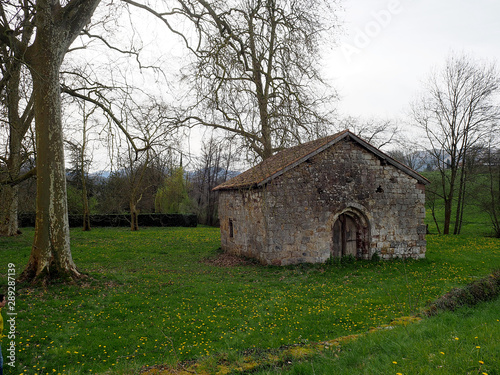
213	169
488	175
457	112
54	26
150	127
378	132
81	162
16	99
256	73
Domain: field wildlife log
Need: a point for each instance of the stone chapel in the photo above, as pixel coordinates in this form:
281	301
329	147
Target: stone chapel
332	197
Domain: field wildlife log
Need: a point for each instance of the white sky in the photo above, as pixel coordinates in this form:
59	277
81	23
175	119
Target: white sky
388	47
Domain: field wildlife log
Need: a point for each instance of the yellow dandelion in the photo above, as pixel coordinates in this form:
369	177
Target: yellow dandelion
394	362
481	362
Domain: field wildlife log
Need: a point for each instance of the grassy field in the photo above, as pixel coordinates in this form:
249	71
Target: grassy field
476	221
462	342
157	297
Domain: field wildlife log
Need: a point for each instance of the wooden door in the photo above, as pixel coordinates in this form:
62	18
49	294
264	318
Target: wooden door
344	237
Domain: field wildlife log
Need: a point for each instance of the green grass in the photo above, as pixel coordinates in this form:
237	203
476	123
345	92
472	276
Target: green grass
152	299
461	342
476	220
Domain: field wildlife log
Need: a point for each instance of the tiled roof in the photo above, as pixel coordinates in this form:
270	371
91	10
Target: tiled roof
291	157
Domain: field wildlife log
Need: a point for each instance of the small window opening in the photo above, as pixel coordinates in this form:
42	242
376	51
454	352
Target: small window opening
231	229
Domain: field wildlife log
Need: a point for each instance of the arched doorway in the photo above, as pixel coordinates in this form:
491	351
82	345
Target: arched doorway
350	236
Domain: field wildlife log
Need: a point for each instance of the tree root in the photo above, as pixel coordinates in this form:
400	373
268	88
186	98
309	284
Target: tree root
50	276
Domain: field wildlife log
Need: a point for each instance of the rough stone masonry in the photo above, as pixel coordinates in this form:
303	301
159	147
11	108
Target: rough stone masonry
334	197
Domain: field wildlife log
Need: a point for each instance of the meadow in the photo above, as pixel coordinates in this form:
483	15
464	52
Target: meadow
161	296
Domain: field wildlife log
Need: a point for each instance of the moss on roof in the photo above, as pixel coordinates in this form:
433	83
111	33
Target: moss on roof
291	157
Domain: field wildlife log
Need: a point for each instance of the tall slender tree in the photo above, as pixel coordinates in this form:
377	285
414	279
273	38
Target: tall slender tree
16	99
457	112
81	162
212	170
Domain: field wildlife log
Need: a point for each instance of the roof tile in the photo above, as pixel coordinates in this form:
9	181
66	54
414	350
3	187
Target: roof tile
276	163
280	162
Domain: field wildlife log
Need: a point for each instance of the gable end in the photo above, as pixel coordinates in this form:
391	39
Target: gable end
288	159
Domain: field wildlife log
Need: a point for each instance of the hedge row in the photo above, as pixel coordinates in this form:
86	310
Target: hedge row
485	289
120	220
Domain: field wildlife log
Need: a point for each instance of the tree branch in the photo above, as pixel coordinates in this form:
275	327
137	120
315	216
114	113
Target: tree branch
19	179
108	112
161	17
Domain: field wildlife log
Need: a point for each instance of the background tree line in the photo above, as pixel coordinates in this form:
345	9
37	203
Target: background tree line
163	183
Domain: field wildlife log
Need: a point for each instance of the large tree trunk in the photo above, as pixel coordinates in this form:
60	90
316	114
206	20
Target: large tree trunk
56	29
9	225
51	254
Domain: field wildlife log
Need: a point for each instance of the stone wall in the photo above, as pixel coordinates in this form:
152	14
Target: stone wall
241	210
290	220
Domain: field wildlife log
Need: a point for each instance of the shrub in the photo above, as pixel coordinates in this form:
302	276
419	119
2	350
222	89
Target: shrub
481	290
123	220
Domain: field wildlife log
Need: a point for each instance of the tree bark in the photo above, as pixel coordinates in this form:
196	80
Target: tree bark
9	225
256	70
86	209
8	210
134	217
447	216
18	127
85	198
458	114
461	200
51	253
57	27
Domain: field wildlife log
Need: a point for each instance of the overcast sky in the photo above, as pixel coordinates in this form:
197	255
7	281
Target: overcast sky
388	47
